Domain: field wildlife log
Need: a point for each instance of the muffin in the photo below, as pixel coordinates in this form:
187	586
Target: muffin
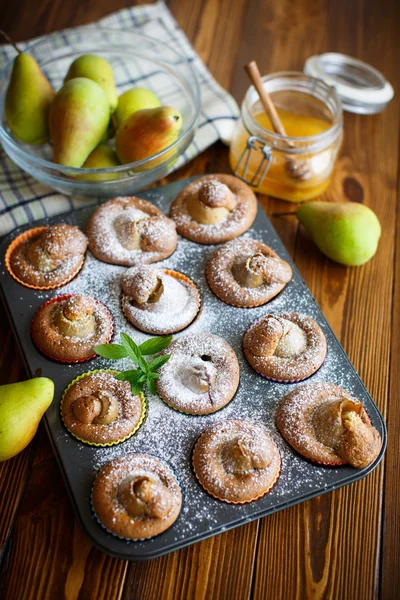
136	497
285	347
46	257
214	209
130	231
67	328
325	424
159	301
201	376
236	461
100	410
247	273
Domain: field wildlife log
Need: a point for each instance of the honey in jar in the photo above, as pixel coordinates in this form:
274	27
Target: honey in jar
311	115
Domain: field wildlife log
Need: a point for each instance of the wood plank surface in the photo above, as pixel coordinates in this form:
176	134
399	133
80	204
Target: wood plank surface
342	545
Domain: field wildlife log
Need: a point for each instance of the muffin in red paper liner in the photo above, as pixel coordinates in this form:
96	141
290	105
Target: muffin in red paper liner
285	347
68	327
236	461
100	410
159	301
45	258
326	425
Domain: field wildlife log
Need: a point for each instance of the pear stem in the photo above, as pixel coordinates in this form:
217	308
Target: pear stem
10	41
284	214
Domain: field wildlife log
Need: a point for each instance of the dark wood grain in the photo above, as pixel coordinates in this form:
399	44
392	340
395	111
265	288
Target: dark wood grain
343	545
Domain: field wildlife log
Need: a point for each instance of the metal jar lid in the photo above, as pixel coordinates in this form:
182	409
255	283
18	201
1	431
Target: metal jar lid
361	88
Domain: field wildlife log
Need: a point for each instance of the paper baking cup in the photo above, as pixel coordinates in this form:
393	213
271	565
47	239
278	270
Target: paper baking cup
197	415
22	238
78	360
177	275
275	380
138	426
242	501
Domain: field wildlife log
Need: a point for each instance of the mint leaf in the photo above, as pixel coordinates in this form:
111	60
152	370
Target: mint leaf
130	347
113	351
155	344
136	388
151	385
132	375
134	352
153	375
159	361
146	373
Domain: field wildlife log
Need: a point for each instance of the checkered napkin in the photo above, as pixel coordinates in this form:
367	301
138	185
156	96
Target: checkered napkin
23	199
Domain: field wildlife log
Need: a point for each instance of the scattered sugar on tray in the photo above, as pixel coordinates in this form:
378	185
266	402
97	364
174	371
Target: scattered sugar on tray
170	435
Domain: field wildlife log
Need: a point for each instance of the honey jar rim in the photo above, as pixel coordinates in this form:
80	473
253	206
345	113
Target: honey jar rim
312	143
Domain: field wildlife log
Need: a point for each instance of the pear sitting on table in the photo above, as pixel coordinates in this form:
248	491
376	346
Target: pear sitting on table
22	405
347	232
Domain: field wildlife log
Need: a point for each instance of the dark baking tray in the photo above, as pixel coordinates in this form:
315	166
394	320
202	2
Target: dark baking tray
166	433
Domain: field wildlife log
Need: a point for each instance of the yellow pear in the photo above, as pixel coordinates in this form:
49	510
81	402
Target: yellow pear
146	133
102	157
22	405
347	232
28	99
133	100
79	116
99	70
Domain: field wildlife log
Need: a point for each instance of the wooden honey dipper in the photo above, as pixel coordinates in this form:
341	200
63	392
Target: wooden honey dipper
295	168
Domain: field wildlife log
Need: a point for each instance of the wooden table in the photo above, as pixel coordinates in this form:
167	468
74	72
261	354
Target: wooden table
345	544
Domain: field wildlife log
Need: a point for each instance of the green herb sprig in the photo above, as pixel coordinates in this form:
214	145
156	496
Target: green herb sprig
146	372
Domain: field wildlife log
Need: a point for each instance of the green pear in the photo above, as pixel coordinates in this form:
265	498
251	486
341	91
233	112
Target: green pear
79	116
347	232
102	157
146	133
22	405
134	100
99	70
28	100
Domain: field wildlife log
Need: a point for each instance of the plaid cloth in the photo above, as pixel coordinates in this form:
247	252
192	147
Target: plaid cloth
23	199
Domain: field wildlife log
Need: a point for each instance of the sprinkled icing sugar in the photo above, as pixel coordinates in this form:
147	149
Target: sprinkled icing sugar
49	257
223	262
294	366
175	309
68	340
125	420
199	360
216	190
170	435
236	460
106	234
227	225
234	223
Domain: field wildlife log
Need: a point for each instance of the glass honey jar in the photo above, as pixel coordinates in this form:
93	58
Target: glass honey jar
296	167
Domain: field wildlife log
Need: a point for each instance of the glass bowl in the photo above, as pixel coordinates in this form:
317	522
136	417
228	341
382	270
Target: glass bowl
137	61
